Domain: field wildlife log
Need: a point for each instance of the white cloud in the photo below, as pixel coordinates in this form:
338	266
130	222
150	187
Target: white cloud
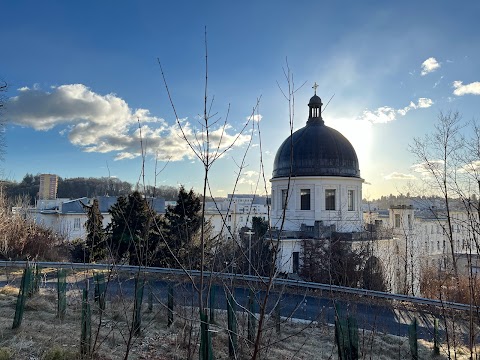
472	167
399	176
256	117
428	169
106	123
250	173
472	88
424	103
249	177
429	65
386	114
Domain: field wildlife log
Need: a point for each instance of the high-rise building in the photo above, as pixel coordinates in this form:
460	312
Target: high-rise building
48	187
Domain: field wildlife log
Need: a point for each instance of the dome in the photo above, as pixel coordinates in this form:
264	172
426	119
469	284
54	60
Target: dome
318	150
315	101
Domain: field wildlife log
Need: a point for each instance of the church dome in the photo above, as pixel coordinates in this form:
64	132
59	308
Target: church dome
318	150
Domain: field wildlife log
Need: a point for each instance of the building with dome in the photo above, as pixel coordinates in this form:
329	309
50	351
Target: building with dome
316	188
316	199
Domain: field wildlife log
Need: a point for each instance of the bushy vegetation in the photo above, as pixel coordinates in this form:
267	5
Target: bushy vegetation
333	261
435	284
23	239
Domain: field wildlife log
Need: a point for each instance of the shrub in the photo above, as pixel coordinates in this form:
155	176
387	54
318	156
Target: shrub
22	238
58	353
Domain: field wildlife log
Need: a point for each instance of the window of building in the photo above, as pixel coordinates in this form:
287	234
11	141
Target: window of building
229	217
330	199
438	245
284	199
305	199
397	220
351	200
76	223
410	225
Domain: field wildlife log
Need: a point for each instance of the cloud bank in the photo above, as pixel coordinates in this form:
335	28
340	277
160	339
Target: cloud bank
429	65
472	88
106	123
429	169
386	114
399	176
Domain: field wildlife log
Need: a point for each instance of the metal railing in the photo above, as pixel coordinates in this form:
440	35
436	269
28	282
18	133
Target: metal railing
252	278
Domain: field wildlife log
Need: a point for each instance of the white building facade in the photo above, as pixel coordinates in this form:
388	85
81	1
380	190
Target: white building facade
235	213
316	188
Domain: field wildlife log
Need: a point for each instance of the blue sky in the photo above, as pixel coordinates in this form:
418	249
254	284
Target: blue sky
80	74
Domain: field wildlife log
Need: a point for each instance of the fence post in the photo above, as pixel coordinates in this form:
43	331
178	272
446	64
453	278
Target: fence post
206	351
352	337
30	284
137	307
340	337
412	336
99	296
22	295
61	293
86	334
436	340
212	303
277	317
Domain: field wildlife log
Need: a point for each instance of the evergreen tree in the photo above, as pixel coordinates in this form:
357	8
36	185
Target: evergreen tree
95	245
132	234
180	231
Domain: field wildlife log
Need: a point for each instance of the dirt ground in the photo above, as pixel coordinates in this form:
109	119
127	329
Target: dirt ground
43	336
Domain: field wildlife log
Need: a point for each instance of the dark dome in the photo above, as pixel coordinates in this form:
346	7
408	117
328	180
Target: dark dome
315	100
318	150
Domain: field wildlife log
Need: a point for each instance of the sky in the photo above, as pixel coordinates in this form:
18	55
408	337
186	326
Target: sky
86	96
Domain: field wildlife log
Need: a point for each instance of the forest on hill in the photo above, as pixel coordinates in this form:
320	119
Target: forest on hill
74	188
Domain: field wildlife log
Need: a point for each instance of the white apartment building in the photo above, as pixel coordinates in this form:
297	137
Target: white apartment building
230	215
68	217
422	240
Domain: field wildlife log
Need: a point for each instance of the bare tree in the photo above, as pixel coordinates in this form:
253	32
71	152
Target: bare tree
3	89
449	161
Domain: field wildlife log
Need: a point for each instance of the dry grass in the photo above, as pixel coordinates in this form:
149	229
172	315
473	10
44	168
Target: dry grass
43	336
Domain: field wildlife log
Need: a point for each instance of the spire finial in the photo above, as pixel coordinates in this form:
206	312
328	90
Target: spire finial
314	87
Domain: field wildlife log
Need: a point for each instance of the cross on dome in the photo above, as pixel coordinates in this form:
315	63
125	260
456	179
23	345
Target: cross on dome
314	87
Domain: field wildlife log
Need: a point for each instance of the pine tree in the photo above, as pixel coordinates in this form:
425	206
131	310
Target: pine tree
181	226
132	232
95	243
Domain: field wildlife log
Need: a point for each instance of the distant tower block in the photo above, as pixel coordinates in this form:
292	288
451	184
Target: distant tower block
48	187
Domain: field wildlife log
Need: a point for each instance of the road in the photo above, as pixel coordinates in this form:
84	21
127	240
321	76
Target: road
296	306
